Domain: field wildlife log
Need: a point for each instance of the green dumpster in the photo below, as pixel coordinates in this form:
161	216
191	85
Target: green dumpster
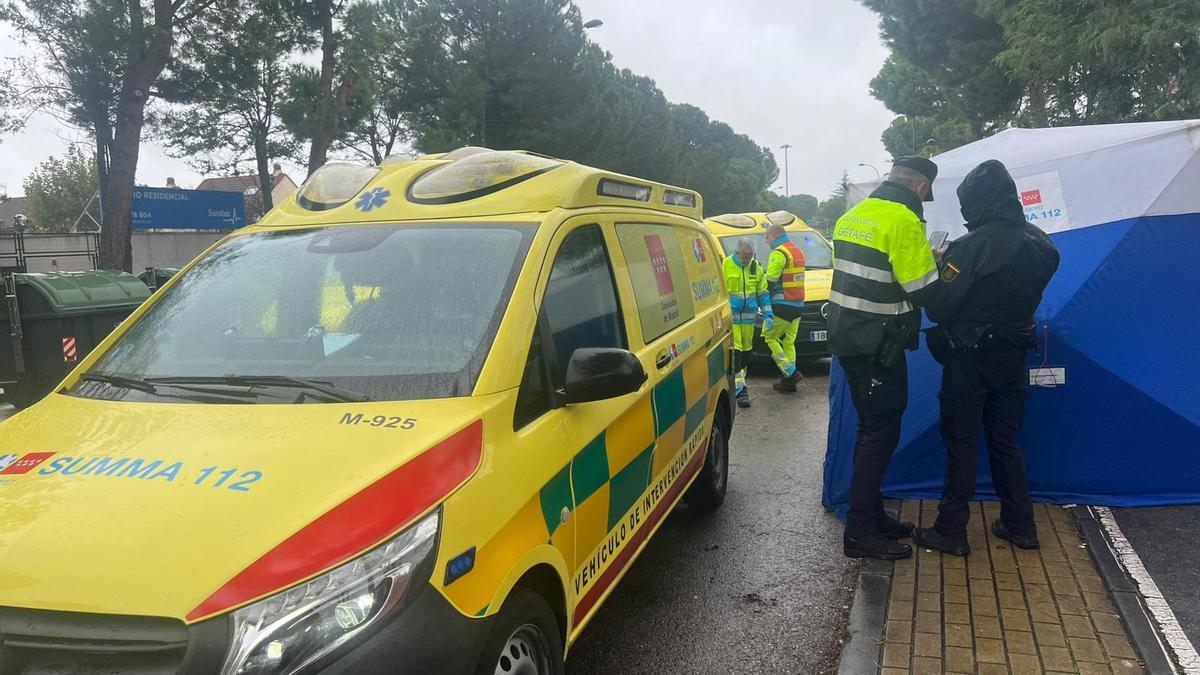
62	316
154	277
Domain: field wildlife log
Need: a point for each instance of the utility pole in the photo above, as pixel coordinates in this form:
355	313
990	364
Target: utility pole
786	188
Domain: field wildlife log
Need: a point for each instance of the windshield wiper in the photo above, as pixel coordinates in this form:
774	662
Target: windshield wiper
148	387
121	381
325	389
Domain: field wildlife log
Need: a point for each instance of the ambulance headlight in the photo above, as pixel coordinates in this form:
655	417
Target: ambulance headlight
296	628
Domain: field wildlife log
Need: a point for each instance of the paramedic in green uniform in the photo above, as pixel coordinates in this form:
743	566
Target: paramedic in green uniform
746	282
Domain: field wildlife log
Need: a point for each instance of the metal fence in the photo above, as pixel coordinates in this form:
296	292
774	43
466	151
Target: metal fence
78	252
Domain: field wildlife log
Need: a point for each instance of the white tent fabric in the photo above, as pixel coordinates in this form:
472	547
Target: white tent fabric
1149	168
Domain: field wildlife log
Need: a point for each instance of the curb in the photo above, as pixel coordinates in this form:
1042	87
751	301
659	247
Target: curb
863	648
1125	595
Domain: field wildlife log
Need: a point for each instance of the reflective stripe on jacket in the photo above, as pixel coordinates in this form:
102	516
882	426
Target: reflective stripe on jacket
882	263
785	272
747	288
785	276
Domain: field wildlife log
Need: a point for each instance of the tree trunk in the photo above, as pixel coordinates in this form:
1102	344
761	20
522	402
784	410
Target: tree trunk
103	141
323	118
1037	105
116	246
265	182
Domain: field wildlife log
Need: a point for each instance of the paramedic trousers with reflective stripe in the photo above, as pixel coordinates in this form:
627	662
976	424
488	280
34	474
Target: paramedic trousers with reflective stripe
983	391
880	396
743	343
781	340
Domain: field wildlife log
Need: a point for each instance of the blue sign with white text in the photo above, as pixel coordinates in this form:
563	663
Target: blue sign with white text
175	209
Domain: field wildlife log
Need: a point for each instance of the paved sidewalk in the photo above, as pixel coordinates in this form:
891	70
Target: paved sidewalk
1001	609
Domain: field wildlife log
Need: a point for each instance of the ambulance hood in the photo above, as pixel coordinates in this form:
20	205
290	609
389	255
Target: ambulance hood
187	510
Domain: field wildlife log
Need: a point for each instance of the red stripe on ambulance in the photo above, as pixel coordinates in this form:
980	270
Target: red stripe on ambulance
373	515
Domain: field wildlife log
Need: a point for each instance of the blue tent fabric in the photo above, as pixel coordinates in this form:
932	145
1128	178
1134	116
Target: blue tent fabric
1122	315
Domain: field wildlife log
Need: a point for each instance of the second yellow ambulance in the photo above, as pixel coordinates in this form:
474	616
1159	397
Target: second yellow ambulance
811	341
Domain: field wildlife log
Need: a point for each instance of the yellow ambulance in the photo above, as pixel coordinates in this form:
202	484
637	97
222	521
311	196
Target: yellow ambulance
811	340
420	418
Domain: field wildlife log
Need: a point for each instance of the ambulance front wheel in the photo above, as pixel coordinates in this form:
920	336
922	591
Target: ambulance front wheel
525	639
708	491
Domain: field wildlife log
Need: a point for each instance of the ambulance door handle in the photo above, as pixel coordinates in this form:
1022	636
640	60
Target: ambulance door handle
663	360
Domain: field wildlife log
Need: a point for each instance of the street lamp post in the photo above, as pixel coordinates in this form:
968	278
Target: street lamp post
871	167
786	186
594	23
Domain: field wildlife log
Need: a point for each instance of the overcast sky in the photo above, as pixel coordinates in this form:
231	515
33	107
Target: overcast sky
780	71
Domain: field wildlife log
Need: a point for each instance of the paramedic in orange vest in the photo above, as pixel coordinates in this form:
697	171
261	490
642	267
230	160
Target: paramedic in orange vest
785	277
746	282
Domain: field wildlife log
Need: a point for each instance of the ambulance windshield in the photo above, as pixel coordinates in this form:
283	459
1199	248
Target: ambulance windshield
817	252
389	312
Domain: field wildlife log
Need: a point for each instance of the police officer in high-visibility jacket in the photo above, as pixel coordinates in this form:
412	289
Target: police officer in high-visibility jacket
883	270
746	281
785	277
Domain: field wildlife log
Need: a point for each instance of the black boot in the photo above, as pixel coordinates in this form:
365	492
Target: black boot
894	529
1025	541
787	384
743	399
931	538
875	546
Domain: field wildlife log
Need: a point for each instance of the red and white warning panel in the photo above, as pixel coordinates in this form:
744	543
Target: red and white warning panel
70	353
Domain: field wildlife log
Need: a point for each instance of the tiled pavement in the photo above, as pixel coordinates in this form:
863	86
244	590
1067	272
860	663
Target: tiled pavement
1001	609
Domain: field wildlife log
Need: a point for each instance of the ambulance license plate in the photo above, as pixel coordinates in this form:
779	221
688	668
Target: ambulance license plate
817	336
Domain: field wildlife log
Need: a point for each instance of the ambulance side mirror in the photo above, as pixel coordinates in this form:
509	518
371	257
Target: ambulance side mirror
597	374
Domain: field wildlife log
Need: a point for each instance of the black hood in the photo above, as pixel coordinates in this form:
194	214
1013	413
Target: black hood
988	194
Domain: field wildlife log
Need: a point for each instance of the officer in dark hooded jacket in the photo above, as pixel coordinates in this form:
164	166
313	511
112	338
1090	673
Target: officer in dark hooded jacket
991	283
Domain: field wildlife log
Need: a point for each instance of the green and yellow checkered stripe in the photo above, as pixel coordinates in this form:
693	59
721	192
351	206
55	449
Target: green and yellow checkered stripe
608	476
605	478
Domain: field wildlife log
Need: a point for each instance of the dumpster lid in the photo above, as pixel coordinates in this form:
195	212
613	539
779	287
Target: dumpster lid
68	292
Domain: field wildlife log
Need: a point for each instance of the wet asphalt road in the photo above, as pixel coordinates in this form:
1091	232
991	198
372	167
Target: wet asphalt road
1167	539
759	586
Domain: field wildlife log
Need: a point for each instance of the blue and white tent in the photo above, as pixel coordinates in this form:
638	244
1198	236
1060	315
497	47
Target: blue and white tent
1122	317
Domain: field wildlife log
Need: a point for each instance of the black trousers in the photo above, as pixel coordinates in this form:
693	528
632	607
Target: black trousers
880	396
983	391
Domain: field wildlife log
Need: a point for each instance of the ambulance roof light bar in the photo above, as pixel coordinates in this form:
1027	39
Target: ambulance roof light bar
738	220
476	173
677	198
333	185
622	190
780	218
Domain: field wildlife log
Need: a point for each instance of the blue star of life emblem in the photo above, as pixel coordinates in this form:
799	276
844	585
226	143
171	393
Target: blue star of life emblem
372	200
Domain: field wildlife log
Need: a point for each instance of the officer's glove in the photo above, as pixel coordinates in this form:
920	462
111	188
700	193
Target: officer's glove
769	321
